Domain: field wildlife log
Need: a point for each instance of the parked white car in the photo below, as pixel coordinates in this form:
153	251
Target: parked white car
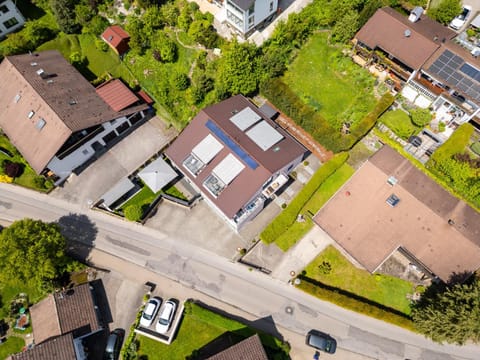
150	311
166	317
461	19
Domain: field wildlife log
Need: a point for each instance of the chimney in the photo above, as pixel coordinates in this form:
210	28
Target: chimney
407	33
415	14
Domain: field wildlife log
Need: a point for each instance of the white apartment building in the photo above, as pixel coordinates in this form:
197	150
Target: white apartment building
10	17
246	15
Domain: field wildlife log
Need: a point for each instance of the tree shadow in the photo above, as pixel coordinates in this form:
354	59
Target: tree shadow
459	278
80	233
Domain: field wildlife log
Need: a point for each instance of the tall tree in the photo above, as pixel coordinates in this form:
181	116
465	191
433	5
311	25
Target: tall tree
450	315
31	250
445	11
64	12
237	73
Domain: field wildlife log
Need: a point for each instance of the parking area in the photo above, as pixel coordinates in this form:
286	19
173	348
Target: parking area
119	161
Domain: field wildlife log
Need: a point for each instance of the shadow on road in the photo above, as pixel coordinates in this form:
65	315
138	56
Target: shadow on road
80	233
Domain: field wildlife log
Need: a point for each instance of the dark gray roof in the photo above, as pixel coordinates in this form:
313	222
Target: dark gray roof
243	4
60	348
248	349
63	88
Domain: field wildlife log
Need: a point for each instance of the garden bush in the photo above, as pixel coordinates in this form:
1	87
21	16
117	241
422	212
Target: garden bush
399	122
288	216
455	144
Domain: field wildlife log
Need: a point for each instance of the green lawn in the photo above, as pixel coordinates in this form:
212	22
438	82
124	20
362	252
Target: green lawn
28	178
13	345
9	290
99	62
399	122
385	290
328	188
142	198
200	327
330	82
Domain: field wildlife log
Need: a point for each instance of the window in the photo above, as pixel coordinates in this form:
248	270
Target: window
30	114
251	21
392	180
17	98
251	9
10	22
271	6
40	124
4	9
393	200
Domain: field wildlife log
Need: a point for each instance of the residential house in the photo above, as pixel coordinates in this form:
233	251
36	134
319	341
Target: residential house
426	61
249	349
56	118
117	39
390	208
244	16
67	325
236	157
10	17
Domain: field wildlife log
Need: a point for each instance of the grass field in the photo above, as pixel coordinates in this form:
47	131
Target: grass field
13	345
199	328
330	82
98	62
319	198
399	122
382	289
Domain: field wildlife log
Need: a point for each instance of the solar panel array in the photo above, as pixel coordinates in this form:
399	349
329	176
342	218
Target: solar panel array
457	73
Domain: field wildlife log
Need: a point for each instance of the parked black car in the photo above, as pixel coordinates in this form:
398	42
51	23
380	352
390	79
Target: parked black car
321	341
114	344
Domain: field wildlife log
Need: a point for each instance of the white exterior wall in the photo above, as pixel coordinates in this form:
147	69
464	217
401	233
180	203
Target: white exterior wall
64	167
12	12
260	13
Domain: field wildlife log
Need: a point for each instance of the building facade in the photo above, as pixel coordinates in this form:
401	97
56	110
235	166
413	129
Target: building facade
10	18
246	15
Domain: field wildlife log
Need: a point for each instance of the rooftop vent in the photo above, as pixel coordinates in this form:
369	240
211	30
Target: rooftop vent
42	73
407	33
33	64
415	14
72	102
110	38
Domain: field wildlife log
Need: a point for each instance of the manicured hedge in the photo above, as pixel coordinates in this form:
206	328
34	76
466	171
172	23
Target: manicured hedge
289	215
349	302
311	121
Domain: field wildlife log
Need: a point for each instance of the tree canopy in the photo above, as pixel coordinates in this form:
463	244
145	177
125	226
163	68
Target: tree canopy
33	251
450	314
445	11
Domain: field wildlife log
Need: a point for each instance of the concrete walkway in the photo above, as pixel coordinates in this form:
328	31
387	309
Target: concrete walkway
298	257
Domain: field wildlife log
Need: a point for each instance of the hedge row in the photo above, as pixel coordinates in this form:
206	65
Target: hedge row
289	215
311	121
349	302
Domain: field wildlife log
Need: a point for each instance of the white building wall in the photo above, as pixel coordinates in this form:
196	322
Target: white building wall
263	9
243	20
9	14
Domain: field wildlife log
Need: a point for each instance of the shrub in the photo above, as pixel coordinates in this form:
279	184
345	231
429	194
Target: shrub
399	122
6	179
12	169
421	117
101	45
180	81
133	212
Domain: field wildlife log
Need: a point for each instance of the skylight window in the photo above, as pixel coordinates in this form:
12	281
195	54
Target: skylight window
30	114
40	124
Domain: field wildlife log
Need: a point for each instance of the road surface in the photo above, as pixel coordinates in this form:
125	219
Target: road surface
229	282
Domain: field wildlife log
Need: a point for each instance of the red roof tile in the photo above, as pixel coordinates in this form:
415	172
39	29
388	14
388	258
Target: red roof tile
116	94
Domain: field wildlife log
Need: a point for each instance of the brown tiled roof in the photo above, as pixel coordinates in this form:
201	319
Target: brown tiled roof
69	94
386	30
45	319
116	94
249	181
59	348
64	312
248	349
361	221
117	38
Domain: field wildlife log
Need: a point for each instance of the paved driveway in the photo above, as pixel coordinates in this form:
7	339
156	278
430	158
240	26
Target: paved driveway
119	161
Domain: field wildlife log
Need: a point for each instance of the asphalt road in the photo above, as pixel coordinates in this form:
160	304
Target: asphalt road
229	282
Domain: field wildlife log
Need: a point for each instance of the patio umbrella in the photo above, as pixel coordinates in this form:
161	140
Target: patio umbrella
157	174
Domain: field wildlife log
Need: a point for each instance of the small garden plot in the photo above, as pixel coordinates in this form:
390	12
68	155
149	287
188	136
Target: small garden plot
199	329
331	83
332	269
400	123
14	168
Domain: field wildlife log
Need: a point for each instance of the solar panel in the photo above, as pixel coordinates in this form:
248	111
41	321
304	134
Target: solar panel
231	144
469	70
